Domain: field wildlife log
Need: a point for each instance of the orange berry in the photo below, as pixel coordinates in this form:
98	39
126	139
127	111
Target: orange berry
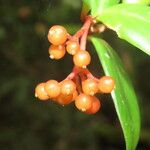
64	99
90	86
68	87
106	84
83	102
52	88
40	92
82	58
95	106
72	47
57	35
57	52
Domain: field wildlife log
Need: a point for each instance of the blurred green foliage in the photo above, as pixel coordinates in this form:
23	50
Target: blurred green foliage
28	124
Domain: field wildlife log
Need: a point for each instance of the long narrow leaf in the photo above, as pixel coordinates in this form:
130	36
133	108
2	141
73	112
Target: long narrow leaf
124	97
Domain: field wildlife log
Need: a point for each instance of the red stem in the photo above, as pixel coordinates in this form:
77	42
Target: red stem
72	75
86	30
83	33
82	72
78	84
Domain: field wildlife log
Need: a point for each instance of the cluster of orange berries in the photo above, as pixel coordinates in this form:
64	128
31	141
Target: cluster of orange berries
66	92
80	86
58	36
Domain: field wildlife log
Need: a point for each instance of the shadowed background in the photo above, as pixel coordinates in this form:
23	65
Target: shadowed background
29	124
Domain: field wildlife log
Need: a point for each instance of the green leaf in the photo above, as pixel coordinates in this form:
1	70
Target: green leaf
97	6
143	2
131	22
124	96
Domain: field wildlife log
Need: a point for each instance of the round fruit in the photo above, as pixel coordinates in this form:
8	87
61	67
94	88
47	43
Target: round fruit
82	58
40	92
90	86
95	106
52	88
64	99
57	35
57	52
83	102
72	47
106	84
68	87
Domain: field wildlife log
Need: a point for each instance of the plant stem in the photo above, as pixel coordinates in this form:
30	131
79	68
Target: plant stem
86	28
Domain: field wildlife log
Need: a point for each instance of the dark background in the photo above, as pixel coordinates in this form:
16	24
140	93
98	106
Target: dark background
29	124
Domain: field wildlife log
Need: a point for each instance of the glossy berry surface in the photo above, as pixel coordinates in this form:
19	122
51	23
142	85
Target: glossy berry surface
64	99
95	106
82	58
57	35
83	102
52	88
72	47
40	92
106	84
68	87
56	52
90	86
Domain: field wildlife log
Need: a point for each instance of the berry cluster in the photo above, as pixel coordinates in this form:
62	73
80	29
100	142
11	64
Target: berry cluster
80	85
58	36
